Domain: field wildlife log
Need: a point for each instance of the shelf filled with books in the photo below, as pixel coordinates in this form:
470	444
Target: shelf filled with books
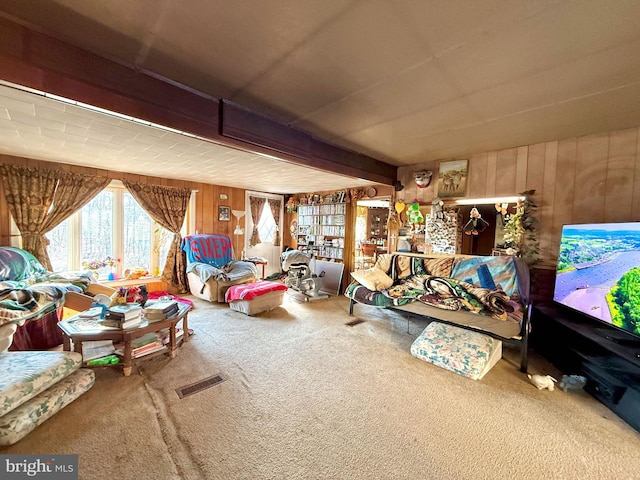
321	229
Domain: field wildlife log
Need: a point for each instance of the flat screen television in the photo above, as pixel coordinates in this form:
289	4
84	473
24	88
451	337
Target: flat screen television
598	274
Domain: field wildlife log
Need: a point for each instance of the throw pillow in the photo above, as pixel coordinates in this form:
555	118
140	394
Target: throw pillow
373	278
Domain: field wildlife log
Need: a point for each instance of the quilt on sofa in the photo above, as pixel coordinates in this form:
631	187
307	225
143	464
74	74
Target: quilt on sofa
482	285
28	291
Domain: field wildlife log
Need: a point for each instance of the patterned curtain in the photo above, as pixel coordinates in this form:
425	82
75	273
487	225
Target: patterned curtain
275	205
168	207
256	204
40	199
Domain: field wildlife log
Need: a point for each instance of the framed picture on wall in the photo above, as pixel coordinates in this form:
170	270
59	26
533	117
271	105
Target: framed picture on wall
224	214
452	179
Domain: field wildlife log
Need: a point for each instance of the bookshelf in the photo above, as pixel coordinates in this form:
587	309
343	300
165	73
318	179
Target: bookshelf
321	229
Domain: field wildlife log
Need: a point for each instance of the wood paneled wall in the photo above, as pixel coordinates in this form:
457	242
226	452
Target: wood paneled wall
207	196
589	179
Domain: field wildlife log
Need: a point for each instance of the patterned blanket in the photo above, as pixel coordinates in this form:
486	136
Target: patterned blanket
214	250
249	291
233	271
28	291
21	304
475	285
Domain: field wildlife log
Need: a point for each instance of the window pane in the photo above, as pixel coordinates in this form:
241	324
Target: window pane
58	248
137	234
267	225
162	241
97	227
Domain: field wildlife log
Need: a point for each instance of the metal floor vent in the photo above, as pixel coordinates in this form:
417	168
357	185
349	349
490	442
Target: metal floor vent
355	322
200	385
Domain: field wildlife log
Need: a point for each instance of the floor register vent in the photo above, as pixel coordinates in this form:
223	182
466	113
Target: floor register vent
200	385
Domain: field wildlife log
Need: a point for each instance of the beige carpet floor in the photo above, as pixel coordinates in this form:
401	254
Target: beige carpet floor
307	397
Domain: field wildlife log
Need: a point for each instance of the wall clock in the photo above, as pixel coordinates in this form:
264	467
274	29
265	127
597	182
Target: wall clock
371	192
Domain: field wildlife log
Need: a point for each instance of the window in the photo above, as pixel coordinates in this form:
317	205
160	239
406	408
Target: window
111	226
267	225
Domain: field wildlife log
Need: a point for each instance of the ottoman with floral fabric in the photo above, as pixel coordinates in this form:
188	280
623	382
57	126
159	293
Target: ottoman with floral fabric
36	385
465	352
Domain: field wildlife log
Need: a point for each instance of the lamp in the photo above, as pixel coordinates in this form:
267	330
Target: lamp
238	230
238	214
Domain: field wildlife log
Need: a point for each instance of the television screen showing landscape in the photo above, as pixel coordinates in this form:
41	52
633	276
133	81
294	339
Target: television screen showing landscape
598	272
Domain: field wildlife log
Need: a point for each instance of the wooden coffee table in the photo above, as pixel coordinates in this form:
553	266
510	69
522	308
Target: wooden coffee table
77	330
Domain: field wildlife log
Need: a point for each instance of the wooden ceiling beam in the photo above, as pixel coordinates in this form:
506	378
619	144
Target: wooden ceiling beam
38	61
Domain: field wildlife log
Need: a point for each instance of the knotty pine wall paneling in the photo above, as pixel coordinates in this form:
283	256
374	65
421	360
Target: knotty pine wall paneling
546	197
619	184
476	175
564	193
207	202
588	179
506	165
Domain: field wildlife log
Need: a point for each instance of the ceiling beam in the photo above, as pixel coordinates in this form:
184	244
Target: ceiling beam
240	123
32	59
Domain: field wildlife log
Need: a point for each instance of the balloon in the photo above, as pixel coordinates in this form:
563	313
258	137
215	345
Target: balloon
400	207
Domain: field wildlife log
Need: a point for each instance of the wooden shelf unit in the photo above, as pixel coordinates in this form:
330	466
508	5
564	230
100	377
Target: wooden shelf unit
321	229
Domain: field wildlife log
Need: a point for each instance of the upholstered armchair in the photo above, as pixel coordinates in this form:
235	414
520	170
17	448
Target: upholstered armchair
211	269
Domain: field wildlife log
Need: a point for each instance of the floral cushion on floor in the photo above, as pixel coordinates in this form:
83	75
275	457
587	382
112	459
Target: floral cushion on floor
465	352
26	374
25	418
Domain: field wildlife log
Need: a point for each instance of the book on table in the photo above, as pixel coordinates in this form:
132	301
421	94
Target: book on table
96	349
122	324
147	349
144	345
125	311
160	310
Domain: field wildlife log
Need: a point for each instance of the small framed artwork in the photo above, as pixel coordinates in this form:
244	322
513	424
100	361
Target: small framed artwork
452	179
224	214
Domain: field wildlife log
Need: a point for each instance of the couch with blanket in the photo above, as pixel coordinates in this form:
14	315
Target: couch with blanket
485	293
32	298
211	269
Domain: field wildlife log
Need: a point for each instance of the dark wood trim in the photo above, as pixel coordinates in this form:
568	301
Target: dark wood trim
43	63
240	123
35	60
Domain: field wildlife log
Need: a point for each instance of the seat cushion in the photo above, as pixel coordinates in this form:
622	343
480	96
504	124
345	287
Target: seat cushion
465	352
26	374
25	418
250	291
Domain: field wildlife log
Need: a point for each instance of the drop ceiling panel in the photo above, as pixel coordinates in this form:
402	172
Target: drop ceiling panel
552	38
237	42
586	76
414	128
305	80
450	25
402	94
613	109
